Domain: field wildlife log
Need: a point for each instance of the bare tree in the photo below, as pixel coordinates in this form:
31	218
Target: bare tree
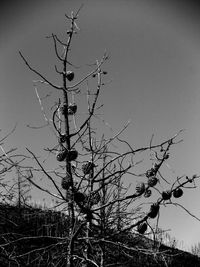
92	168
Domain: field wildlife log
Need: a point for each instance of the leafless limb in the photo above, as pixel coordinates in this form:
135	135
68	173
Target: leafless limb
39	74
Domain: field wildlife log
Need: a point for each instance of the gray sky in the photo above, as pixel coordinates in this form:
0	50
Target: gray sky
153	71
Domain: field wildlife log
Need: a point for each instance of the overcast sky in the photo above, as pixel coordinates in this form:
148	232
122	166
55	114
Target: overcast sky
153	74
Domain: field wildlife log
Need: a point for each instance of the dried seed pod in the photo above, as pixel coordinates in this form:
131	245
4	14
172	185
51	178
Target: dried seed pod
66	182
154	209
88	167
72	108
70	75
142	227
79	197
61	155
166	195
166	156
94	198
72	155
152	181
140	188
177	192
150	173
87	211
147	193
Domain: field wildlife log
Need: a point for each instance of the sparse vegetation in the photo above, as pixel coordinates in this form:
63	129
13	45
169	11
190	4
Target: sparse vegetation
102	221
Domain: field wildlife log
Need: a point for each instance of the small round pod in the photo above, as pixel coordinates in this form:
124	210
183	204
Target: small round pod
154	209
72	155
66	182
88	167
166	195
61	155
177	192
79	197
88	212
147	193
150	173
140	188
70	75
152	181
72	108
142	227
166	156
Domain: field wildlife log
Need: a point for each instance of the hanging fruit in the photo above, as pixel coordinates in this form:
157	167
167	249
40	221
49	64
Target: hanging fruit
142	227
166	195
177	192
72	108
72	155
147	193
66	182
87	211
140	188
88	167
152	181
79	197
166	156
150	173
154	209
70	75
61	155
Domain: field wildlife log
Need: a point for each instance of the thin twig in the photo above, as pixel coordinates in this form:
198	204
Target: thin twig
39	74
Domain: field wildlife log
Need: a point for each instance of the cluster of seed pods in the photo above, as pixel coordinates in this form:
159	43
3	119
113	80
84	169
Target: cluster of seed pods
146	191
